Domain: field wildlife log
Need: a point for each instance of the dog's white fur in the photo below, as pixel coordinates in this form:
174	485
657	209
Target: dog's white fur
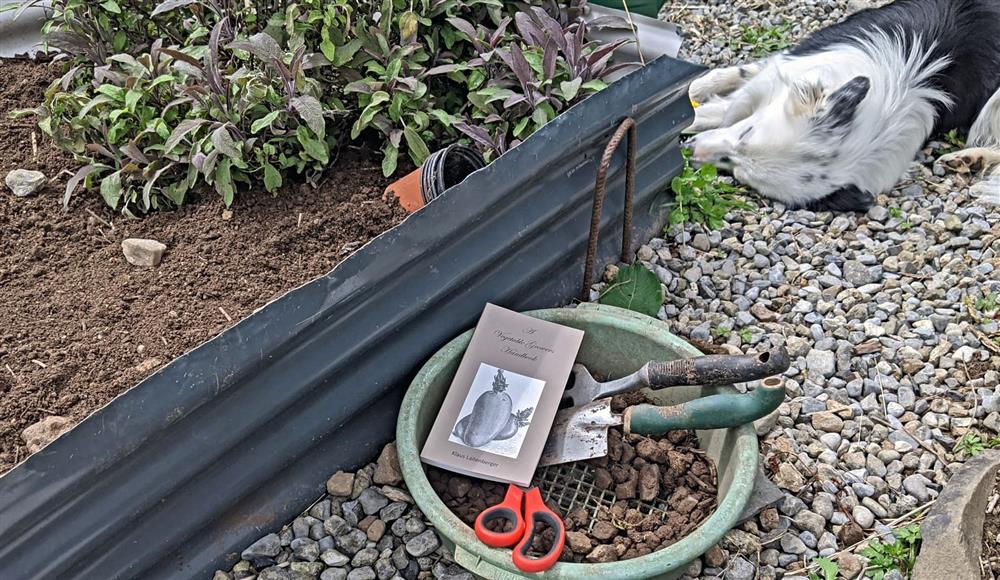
760	121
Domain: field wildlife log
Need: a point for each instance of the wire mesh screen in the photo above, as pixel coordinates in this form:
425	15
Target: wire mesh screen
571	486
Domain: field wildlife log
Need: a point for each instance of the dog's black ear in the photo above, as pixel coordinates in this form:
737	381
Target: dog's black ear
842	106
847	198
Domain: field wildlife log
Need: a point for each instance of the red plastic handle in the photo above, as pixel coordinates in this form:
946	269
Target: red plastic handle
509	509
535	511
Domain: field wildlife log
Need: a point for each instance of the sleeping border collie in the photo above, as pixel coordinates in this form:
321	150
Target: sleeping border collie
840	117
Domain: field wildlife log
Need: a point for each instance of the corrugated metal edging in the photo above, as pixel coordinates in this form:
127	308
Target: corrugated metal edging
174	477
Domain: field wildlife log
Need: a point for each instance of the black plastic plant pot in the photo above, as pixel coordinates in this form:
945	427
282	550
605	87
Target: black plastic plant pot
174	478
441	171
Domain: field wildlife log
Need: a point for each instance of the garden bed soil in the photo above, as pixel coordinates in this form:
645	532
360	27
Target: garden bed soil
80	325
658	490
990	558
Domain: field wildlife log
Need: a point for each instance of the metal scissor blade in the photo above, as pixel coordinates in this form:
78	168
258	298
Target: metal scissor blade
579	433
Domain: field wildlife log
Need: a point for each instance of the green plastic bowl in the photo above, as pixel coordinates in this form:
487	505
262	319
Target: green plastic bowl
617	342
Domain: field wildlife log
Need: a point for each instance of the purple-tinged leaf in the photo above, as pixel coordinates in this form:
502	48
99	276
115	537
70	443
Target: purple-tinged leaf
311	111
551	26
224	143
465	27
148	188
493	118
520	66
183	56
182	130
477	134
213	67
100	149
499	32
514	100
134	153
444	69
75	181
528	29
262	45
604	50
549	61
168	5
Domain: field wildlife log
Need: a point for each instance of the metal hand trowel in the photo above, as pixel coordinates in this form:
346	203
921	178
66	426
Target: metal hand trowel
581	432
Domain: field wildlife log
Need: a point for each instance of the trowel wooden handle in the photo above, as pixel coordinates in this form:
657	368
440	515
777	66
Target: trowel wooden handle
717	369
712	412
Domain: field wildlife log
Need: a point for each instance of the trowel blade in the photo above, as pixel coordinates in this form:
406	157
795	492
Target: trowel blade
579	433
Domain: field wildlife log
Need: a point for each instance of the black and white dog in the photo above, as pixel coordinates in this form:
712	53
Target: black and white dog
840	117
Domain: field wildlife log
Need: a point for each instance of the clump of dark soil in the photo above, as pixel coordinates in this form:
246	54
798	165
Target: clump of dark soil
79	324
649	493
990	558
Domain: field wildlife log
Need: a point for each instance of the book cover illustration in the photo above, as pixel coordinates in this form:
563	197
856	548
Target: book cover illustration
497	411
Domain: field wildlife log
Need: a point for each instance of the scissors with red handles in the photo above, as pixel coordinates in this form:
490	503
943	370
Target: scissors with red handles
523	509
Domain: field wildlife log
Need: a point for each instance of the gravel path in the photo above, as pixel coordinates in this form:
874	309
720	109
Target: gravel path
891	365
892	362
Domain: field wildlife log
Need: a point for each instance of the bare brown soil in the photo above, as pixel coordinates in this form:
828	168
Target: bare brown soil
79	324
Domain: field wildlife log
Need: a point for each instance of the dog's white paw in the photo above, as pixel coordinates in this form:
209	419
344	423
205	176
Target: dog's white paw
716	82
973	160
707	117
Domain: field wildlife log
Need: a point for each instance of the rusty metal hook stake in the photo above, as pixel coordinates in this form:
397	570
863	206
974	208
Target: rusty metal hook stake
626	126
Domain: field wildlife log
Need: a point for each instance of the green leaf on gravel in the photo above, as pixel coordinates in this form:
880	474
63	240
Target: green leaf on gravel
635	288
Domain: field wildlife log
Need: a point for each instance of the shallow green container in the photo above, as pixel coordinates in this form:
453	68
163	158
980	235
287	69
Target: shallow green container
617	342
649	8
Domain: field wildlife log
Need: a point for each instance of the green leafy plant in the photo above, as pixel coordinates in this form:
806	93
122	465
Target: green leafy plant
763	40
899	555
168	98
519	84
745	335
634	288
720	332
827	567
701	197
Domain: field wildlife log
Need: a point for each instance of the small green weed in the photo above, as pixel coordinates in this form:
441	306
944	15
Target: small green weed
827	567
899	555
763	40
701	197
987	303
745	335
972	444
722	332
953	140
904	224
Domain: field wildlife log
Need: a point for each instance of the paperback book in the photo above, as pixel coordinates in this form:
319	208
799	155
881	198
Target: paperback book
499	409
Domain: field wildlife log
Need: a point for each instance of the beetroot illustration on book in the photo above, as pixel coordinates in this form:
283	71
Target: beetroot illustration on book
492	424
499	409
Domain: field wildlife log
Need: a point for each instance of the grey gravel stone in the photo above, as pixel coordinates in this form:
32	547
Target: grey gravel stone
267	547
423	544
372	500
25	182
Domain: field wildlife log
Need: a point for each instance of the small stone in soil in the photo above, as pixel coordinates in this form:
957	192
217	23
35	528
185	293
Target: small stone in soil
24	182
45	431
143	252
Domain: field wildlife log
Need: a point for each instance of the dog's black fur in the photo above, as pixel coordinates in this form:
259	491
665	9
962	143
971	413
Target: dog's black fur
966	31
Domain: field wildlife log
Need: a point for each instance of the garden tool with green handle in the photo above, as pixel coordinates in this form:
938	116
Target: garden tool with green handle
581	432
